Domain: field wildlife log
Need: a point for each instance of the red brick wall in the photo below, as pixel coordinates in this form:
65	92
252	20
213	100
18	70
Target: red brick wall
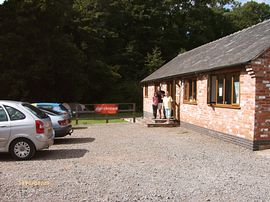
261	69
147	101
238	122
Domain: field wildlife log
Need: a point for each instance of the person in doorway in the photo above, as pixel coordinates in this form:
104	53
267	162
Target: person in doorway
160	95
155	105
167	104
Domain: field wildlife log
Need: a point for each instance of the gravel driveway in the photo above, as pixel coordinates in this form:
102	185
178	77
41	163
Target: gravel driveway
129	162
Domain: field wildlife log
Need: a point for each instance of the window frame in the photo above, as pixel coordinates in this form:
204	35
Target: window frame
224	76
156	86
186	97
146	90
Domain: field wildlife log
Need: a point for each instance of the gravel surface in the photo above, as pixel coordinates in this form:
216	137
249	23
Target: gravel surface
129	162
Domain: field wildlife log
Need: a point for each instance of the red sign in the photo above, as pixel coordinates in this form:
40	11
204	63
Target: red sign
106	108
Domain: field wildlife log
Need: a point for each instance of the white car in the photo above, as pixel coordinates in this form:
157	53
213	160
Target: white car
24	129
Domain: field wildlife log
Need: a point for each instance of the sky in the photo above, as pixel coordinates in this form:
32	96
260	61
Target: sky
242	1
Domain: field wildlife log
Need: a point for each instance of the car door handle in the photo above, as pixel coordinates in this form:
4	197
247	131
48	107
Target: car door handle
3	126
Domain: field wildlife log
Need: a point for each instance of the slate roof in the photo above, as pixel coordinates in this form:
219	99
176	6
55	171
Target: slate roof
235	49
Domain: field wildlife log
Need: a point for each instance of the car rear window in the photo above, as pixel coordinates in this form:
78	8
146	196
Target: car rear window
49	112
56	108
45	106
63	107
37	112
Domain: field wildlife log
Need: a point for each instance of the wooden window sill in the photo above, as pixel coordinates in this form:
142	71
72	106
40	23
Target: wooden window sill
225	106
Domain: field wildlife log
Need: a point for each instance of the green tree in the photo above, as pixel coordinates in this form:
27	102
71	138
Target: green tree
249	14
39	59
98	50
154	60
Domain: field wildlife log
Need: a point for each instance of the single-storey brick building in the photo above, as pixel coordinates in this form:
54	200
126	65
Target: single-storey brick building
221	88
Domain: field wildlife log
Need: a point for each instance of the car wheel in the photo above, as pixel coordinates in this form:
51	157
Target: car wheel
22	149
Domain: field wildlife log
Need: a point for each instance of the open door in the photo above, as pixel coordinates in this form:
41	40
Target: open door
171	88
177	99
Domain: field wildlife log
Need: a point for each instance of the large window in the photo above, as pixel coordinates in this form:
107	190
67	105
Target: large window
223	90
190	91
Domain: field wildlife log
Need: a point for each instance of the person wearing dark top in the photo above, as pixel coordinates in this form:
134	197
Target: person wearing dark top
155	105
160	95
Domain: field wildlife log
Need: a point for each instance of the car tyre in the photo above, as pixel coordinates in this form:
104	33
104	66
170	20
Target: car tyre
22	149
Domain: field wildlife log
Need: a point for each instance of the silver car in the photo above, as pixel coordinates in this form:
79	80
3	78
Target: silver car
24	129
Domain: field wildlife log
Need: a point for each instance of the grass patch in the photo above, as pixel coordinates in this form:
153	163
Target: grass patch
91	121
93	116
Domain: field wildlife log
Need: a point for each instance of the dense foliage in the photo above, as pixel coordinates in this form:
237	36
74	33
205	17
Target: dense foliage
98	50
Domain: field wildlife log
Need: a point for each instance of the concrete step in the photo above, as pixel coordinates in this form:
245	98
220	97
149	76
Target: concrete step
163	120
165	125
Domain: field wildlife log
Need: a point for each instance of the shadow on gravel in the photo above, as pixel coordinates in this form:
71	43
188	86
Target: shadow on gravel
5	157
73	140
60	154
79	127
50	155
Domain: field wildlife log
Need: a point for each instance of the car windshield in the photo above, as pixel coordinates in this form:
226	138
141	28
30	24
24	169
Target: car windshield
37	112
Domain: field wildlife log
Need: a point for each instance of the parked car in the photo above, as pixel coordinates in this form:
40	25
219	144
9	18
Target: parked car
24	129
60	123
67	106
58	107
74	107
